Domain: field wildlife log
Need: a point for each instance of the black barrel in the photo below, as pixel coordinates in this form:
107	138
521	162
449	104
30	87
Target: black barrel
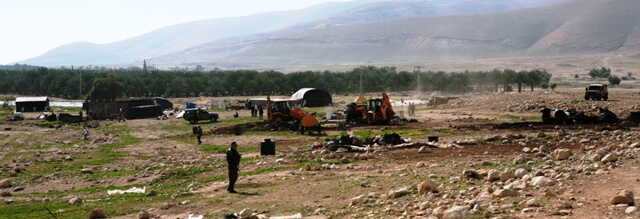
267	147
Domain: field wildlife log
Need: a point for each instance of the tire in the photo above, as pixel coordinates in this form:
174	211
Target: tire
598	98
214	119
605	98
193	121
586	98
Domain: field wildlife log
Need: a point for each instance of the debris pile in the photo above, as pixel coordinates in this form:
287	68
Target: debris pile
573	116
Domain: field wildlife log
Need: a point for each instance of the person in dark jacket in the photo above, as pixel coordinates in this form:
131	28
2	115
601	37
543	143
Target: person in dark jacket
233	160
199	134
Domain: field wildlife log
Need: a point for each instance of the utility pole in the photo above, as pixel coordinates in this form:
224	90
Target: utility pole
360	87
418	81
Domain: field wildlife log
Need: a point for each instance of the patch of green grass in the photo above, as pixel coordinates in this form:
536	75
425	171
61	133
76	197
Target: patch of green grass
235	121
49	123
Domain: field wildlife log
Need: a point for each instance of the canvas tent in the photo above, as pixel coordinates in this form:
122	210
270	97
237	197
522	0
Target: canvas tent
312	97
32	104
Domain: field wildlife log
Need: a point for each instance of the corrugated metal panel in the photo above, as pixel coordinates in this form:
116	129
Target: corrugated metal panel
32	99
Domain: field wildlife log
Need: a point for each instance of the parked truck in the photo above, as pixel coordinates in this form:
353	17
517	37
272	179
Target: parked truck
596	92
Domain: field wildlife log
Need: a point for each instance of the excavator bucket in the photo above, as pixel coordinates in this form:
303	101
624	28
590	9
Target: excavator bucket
309	121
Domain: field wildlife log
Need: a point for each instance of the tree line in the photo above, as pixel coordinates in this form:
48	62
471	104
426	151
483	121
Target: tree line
78	83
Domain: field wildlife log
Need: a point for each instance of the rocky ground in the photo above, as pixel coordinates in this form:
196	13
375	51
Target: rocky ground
494	159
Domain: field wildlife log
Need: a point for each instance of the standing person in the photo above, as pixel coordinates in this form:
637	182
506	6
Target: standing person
260	112
199	134
233	160
253	112
255	109
86	133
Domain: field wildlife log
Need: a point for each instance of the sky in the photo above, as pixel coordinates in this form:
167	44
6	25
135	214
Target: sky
32	27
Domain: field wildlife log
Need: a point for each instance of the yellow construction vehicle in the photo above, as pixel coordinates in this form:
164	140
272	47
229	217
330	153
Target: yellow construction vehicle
373	111
279	114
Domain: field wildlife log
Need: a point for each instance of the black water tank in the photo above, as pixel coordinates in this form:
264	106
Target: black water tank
267	147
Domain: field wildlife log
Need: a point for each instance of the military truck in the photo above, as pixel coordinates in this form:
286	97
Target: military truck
596	92
197	114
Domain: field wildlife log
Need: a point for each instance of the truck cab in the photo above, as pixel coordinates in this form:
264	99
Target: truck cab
596	92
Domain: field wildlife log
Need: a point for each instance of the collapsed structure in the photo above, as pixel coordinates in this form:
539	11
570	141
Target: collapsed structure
129	109
573	116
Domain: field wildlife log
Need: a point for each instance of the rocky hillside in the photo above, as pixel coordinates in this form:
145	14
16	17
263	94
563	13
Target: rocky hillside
577	26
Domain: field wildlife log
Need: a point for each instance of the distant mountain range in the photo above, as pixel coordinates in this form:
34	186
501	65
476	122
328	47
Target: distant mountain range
365	32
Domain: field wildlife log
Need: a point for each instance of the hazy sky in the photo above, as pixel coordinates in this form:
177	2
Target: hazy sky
32	27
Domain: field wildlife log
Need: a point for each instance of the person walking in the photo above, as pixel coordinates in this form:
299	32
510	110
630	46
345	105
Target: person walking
260	112
253	111
233	160
86	133
199	134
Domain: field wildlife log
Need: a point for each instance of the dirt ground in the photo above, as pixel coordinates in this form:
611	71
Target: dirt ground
479	131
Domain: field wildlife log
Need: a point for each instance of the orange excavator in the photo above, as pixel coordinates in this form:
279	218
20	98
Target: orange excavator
279	113
373	111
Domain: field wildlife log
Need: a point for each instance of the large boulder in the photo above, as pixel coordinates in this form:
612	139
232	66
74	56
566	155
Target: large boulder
456	212
427	186
623	197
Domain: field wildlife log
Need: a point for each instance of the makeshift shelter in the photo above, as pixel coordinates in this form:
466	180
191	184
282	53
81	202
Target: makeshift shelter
32	104
164	103
312	97
112	110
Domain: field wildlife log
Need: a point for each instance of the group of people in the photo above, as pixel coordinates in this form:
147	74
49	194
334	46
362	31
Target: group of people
411	109
256	111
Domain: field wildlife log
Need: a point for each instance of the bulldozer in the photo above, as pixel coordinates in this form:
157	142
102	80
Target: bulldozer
373	111
280	114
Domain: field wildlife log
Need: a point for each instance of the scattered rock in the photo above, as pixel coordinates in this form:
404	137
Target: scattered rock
18	188
97	213
631	210
427	186
470	174
86	170
609	158
562	154
501	193
424	149
144	215
165	206
397	193
456	212
542	181
493	175
5	194
75	201
245	213
5	183
280	161
623	197
151	192
357	200
507	175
